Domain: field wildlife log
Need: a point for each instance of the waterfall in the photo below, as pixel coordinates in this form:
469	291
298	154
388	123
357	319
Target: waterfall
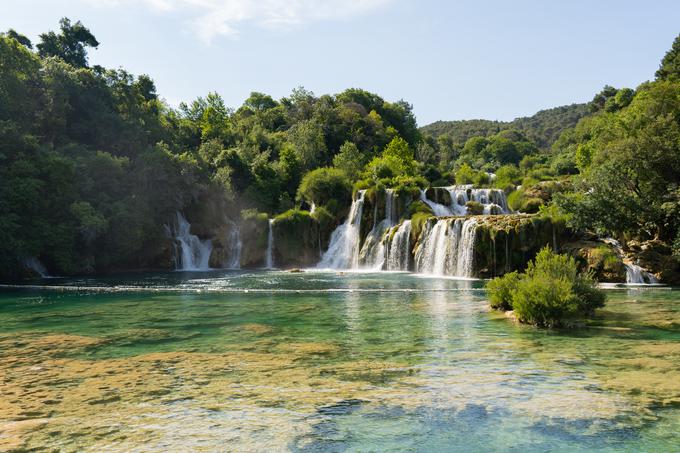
343	250
269	254
635	275
493	201
235	246
36	266
373	253
390	210
447	248
399	250
193	253
438	210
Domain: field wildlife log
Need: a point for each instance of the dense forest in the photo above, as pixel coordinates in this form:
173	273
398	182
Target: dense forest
93	163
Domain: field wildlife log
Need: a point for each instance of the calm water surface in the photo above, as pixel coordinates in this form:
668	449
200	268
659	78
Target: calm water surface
319	361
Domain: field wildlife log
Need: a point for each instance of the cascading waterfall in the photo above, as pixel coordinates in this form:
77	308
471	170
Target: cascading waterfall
399	250
343	250
36	266
447	248
269	254
446	245
635	275
372	254
193	253
438	210
493	201
235	246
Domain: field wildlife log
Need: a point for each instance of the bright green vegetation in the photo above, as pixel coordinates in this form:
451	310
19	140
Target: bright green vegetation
93	162
365	367
551	293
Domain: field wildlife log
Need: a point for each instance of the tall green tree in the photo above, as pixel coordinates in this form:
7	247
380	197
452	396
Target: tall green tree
670	65
69	45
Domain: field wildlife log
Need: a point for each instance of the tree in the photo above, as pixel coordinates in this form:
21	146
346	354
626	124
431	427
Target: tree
308	139
350	160
70	45
670	65
23	40
630	163
290	170
326	187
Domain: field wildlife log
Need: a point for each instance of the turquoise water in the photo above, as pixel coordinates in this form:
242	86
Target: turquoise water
319	361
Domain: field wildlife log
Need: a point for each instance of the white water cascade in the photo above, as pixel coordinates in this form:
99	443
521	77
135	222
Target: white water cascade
36	266
343	251
635	275
438	210
269	254
235	246
493	201
193	253
373	252
447	248
399	250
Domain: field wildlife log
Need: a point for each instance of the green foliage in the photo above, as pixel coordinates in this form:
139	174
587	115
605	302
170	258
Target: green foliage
629	161
69	45
670	64
508	176
603	257
350	160
520	201
551	293
21	39
326	187
543	128
396	162
418	219
308	140
465	175
501	289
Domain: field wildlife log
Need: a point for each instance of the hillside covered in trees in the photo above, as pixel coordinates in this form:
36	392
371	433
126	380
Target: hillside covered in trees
543	128
94	164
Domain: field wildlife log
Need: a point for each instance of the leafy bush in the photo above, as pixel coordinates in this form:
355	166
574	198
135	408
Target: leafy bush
465	175
605	258
507	176
500	291
324	185
551	293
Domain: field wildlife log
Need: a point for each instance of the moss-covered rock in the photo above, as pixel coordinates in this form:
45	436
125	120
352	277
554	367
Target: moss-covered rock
439	195
597	257
656	256
254	231
296	239
223	246
505	243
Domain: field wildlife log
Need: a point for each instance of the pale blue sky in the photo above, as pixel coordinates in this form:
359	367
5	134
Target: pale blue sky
450	59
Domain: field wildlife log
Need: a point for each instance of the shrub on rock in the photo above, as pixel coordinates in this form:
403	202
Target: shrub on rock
551	293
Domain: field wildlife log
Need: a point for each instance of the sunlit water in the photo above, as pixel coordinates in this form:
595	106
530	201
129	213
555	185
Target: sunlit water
320	361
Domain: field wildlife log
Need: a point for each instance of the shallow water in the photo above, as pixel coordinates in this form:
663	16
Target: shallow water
320	361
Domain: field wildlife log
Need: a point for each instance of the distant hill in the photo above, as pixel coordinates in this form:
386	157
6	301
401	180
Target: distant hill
543	128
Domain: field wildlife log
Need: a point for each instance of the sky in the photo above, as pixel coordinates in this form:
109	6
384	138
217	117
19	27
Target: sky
491	59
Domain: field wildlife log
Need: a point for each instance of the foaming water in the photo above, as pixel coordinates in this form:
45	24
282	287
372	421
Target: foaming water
327	361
